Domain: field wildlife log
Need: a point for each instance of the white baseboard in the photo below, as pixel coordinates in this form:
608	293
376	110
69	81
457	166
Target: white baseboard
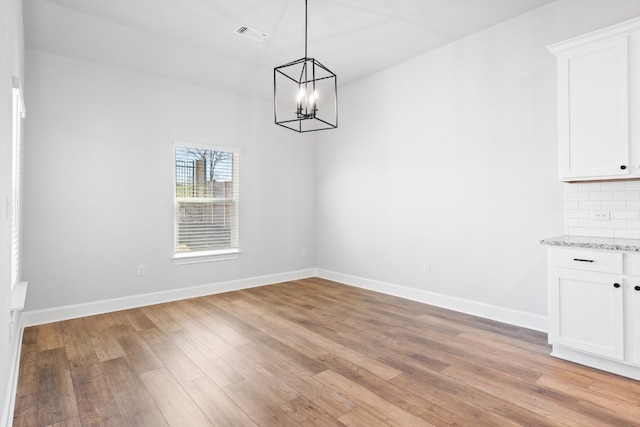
39	317
15	346
501	314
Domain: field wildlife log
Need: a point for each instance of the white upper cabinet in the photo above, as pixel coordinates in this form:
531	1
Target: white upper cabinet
597	96
593	111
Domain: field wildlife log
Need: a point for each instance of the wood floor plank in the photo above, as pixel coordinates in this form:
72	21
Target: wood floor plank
172	357
561	408
322	345
303	381
56	399
26	406
178	316
104	343
308	352
174	402
202	327
160	317
628	412
278	328
625	390
278	391
49	336
524	357
307	413
138	353
216	405
444	352
25	416
135	403
258	407
219	322
77	342
532	344
214	367
366	399
421	404
69	422
358	417
96	406
138	319
262	379
277	353
401	355
473	405
114	318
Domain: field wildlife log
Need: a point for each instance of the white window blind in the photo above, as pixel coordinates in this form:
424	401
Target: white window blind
18	113
206	200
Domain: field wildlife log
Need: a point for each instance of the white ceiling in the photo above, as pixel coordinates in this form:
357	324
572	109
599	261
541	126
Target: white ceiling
195	40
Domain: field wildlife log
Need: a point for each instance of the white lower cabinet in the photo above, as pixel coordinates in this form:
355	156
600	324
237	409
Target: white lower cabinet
594	308
587	312
634	327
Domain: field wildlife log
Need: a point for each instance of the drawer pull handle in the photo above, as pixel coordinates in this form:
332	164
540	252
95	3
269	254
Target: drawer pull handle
616	285
637	288
583	260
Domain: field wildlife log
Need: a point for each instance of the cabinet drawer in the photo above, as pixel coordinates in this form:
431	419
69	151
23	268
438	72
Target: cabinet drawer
604	262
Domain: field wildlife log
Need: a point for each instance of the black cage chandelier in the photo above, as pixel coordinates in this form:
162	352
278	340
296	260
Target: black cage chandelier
305	93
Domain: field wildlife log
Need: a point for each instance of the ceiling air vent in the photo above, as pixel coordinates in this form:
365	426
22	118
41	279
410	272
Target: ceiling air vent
251	33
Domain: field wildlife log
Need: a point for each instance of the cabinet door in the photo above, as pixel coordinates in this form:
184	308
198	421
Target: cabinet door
635	325
593	111
586	312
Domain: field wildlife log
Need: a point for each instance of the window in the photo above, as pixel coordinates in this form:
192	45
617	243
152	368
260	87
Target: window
206	202
18	113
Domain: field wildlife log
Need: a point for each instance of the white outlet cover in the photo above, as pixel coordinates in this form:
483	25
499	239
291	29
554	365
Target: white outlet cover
601	215
426	268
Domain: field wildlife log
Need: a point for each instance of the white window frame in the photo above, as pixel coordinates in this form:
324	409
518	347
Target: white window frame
195	257
18	114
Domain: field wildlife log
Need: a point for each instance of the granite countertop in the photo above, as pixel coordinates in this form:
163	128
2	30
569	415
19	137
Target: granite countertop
631	245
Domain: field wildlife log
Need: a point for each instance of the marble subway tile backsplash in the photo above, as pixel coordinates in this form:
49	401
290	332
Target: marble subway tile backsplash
586	203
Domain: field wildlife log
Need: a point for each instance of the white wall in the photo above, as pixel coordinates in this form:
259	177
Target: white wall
451	159
11	65
99	179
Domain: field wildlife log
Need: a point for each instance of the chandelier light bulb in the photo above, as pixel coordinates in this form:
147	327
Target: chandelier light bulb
302	93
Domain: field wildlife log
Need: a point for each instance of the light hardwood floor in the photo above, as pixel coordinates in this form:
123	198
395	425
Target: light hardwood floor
309	352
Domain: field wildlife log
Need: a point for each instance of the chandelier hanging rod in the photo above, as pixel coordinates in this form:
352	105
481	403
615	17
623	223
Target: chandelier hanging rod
305	27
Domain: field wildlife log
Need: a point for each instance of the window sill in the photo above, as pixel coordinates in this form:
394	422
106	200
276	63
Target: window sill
185	258
18	296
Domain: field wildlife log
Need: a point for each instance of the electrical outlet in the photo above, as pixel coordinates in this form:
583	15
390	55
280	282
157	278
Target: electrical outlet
601	215
304	251
141	270
426	268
